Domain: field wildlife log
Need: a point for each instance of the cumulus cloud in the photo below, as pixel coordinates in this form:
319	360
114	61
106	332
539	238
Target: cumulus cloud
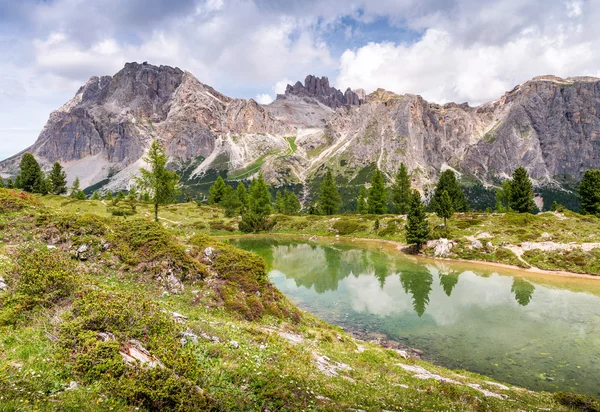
263	98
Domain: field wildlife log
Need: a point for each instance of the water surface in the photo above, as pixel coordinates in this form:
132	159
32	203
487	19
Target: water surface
539	332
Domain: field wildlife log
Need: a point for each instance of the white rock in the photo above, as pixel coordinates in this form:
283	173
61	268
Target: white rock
442	247
72	385
234	344
187	337
209	254
476	244
135	354
3	285
312	238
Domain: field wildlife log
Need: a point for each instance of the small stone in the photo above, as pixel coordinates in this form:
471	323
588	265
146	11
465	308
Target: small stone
3	285
82	252
209	253
234	344
51	247
312	238
476	244
72	385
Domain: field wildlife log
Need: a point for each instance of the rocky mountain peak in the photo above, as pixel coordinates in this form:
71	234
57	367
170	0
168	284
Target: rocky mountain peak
319	89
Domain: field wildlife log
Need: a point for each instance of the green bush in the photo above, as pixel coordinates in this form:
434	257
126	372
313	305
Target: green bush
220	225
14	201
390	230
347	227
576	401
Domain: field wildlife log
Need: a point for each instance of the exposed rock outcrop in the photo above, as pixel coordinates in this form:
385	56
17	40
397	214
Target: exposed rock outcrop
319	89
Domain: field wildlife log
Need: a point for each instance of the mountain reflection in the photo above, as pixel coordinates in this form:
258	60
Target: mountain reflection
523	291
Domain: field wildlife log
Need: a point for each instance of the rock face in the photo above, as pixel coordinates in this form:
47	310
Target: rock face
549	125
319	89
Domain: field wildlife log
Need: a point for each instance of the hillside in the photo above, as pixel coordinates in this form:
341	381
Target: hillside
101	313
548	124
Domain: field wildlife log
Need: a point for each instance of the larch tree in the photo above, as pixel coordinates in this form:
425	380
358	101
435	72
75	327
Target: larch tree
330	199
521	192
401	191
160	182
377	198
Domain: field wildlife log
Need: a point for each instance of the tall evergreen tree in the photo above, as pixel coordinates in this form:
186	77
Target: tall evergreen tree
58	179
361	204
109	196
377	199
444	208
449	183
401	191
96	196
161	182
10	184
330	199
1	182
279	202
242	195
255	218
231	202
589	192
521	192
417	226
217	191
503	197
291	203
31	178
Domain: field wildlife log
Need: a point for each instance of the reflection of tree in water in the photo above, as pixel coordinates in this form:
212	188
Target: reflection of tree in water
418	284
380	262
448	281
523	291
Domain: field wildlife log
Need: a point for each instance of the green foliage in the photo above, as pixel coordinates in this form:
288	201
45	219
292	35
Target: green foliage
31	178
577	401
361	204
503	197
377	203
76	192
523	291
120	196
109	196
260	198
9	183
449	184
96	196
231	202
217	192
521	192
444	208
557	207
401	191
330	199
160	182
347	226
13	201
287	203
1	183
242	196
575	260
589	192
417	226
58	179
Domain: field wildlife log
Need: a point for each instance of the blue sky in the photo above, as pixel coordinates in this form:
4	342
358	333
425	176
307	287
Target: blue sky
444	50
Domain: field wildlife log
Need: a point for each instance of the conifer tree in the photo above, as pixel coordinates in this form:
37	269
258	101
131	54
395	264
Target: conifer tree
31	178
330	199
521	192
503	197
108	196
161	182
75	188
132	198
361	204
217	191
444	207
18	182
146	197
120	196
96	196
449	183
10	184
58	179
81	195
401	192
377	204
291	203
589	192
417	226
231	202
1	183
279	202
242	195
260	198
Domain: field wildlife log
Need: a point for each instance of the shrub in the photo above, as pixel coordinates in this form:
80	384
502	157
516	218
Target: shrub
14	201
576	401
220	225
391	229
347	227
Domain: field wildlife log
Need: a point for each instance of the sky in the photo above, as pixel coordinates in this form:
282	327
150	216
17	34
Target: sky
445	50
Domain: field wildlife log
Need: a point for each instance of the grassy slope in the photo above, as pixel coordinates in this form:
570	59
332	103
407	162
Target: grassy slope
49	339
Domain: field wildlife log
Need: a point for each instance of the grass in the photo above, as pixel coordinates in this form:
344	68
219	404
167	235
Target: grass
253	349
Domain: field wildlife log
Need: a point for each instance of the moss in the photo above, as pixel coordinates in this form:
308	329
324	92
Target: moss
576	401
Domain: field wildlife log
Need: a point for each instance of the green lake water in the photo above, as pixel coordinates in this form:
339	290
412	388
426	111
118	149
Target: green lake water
542	333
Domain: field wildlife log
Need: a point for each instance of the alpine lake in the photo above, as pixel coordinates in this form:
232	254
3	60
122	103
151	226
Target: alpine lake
541	332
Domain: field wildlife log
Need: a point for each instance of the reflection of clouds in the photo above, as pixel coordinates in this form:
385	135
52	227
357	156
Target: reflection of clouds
366	295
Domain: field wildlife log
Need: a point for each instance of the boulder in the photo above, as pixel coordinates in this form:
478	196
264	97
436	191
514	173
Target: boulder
3	285
476	244
82	252
442	247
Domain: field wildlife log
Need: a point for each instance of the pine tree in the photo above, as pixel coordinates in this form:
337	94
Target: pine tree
361	204
291	203
449	183
132	198
161	182
9	183
120	196
217	191
444	207
589	192
96	196
31	178
401	192
521	192
377	199
109	196
75	188
279	202
330	199
58	179
242	195
260	198
81	195
417	226
503	197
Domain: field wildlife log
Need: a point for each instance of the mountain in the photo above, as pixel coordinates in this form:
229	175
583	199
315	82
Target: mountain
549	125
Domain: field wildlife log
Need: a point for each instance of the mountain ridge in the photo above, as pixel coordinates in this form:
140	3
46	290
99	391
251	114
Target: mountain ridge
548	124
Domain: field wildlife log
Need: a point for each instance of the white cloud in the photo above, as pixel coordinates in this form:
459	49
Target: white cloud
442	69
280	86
264	98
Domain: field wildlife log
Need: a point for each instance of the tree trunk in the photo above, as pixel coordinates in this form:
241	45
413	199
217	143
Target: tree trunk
156	211
444	223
